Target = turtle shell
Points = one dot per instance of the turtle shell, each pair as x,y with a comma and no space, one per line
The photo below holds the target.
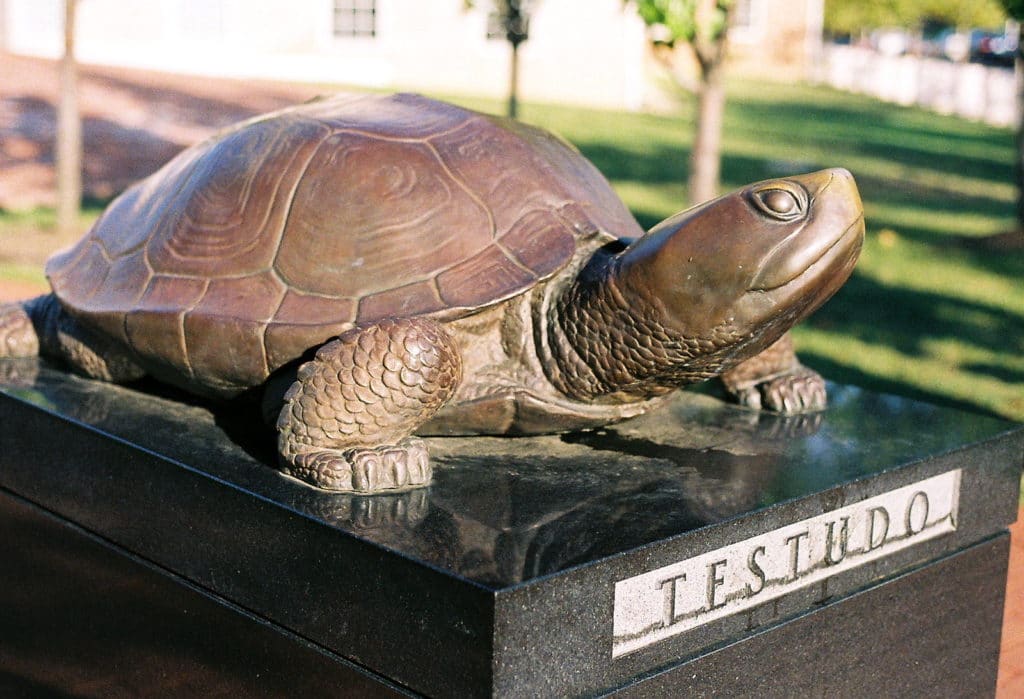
272,237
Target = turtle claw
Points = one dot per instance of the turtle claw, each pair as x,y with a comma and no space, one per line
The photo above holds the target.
798,391
362,470
749,396
387,468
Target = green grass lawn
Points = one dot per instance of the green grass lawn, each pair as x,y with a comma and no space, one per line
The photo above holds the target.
923,315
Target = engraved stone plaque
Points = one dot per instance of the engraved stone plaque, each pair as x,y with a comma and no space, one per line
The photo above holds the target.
700,516
679,597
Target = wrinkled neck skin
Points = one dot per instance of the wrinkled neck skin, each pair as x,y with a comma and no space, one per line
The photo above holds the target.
604,341
702,291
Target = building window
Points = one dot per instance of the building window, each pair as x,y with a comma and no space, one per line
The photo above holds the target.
747,21
495,29
201,19
743,14
355,18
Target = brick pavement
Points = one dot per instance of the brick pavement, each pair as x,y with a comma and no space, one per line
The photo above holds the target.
1011,662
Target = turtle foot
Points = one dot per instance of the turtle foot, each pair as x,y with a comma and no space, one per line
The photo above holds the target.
797,391
18,337
361,470
20,371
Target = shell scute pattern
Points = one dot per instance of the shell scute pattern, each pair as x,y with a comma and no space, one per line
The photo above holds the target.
156,328
228,214
283,232
522,195
78,273
483,278
541,241
370,207
419,298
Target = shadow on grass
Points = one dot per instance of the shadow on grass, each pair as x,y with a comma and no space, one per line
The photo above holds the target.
932,199
1009,265
905,319
669,164
842,373
1002,373
879,131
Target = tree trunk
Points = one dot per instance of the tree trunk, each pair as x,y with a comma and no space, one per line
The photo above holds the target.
69,132
513,82
705,157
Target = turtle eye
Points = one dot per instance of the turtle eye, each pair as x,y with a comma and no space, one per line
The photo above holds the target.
781,203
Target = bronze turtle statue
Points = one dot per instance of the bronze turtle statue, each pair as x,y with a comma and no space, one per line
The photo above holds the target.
404,266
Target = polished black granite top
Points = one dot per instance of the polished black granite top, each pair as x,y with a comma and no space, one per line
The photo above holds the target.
501,511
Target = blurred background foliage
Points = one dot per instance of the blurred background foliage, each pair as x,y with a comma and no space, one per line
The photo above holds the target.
855,16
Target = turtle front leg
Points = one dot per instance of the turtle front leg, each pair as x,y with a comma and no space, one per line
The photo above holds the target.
347,420
776,380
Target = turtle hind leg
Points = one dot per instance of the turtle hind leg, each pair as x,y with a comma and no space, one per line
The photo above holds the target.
19,345
776,380
347,420
42,326
18,336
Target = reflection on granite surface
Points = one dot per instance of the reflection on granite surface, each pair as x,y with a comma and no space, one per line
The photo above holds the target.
505,510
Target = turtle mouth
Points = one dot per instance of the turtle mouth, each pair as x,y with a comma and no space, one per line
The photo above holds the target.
845,248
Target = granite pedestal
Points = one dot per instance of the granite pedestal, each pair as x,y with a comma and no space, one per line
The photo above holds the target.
704,550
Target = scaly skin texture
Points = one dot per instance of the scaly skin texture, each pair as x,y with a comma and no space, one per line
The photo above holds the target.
347,419
606,346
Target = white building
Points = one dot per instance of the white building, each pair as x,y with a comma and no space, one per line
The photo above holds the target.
583,51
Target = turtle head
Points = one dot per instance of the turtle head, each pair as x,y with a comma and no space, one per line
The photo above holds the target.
752,263
709,287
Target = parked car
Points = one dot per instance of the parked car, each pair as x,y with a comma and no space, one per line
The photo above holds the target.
954,45
890,42
992,48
